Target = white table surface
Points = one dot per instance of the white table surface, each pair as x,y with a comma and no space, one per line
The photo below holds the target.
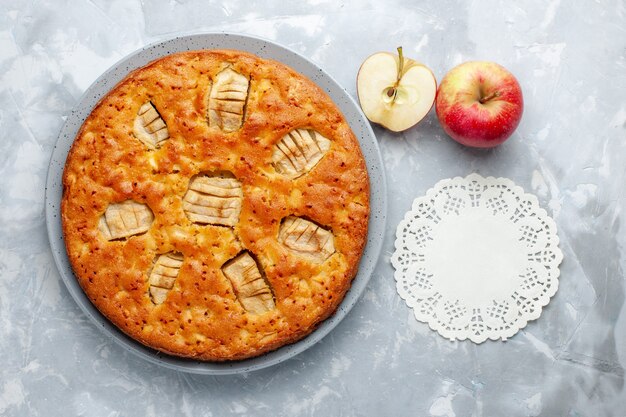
570,149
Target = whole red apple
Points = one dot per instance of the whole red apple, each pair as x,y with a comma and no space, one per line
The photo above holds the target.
479,104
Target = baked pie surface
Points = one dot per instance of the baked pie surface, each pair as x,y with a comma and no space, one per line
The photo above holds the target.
215,205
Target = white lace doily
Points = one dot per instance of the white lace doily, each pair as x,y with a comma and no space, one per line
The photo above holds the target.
476,258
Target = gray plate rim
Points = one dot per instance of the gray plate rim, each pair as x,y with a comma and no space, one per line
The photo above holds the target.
265,49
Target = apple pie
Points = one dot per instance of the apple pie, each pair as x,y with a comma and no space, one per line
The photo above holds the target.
215,205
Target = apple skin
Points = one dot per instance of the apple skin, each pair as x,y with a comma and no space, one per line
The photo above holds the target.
460,111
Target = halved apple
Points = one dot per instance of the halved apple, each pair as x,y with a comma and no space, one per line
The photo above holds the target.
395,91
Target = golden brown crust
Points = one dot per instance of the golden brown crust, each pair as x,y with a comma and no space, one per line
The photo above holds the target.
201,316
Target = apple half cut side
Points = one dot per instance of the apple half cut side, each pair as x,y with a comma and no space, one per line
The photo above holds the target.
394,91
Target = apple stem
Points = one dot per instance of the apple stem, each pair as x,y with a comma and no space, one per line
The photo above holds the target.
400,64
393,91
493,95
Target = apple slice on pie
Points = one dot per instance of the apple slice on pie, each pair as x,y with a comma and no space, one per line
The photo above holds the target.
122,220
227,100
251,289
214,199
298,152
306,239
149,127
163,276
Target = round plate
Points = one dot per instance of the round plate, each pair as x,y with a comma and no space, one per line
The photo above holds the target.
264,49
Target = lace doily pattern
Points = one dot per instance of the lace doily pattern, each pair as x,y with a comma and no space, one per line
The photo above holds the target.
476,258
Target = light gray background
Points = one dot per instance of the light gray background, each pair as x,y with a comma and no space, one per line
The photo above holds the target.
570,58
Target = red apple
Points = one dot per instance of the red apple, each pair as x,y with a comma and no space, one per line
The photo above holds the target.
479,104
